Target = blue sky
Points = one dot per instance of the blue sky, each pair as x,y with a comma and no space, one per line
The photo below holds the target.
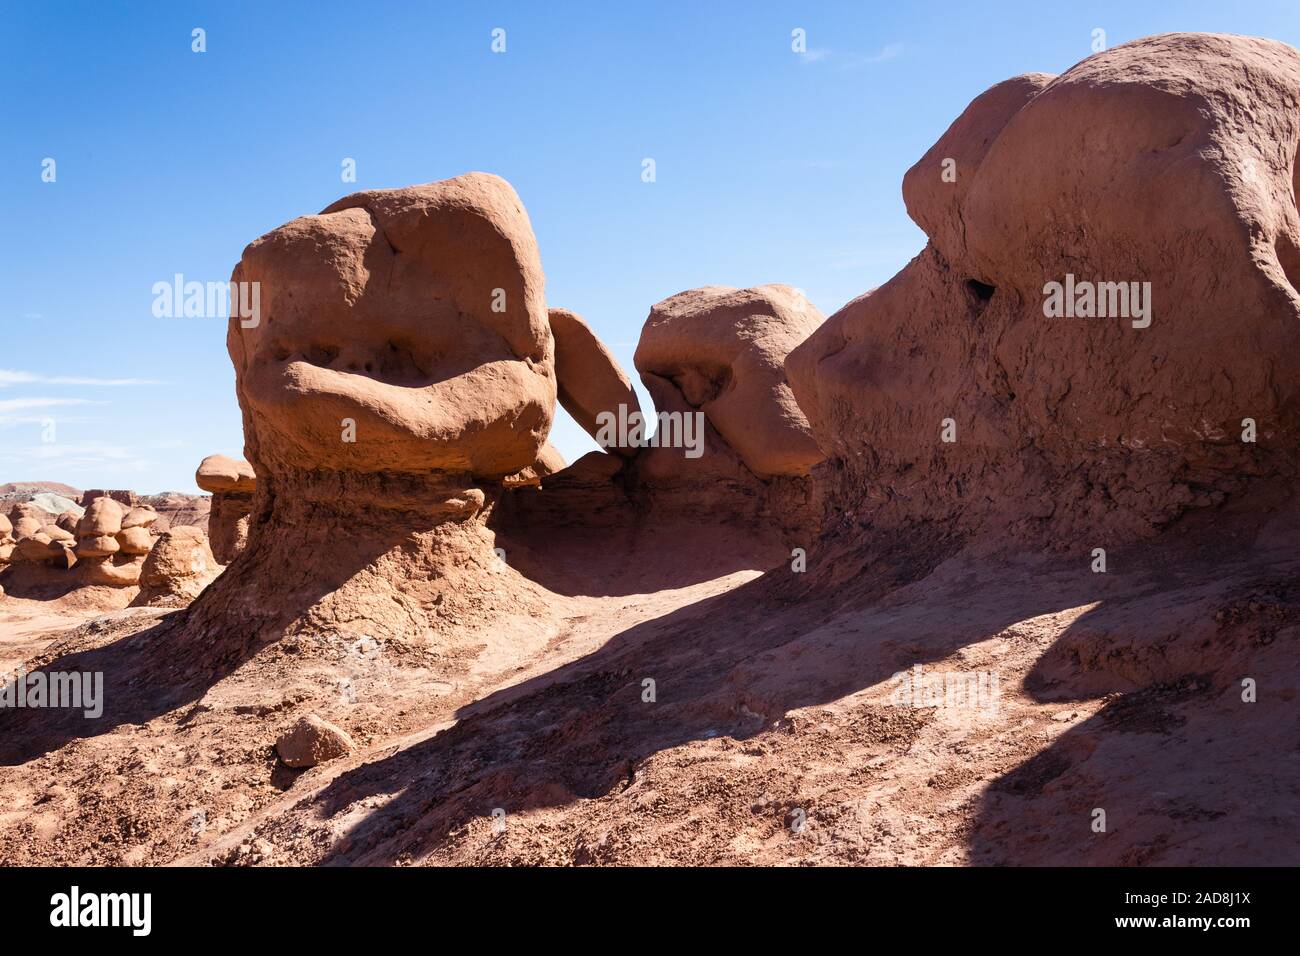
771,166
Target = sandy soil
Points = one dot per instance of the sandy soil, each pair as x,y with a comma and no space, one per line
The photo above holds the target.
775,735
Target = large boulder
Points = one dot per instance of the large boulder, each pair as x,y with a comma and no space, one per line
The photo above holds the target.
722,351
219,474
311,741
178,568
135,540
401,331
139,517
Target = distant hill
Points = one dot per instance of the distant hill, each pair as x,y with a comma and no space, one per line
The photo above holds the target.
40,487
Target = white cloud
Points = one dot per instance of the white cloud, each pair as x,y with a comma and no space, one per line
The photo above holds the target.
102,457
851,61
18,404
891,51
10,377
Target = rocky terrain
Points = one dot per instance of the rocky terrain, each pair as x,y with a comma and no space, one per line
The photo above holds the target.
950,577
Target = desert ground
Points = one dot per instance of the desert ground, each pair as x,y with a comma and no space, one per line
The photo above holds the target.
952,580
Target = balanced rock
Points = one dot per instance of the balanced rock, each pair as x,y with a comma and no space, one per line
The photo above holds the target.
409,336
135,540
103,517
57,533
139,517
220,474
401,367
232,483
722,351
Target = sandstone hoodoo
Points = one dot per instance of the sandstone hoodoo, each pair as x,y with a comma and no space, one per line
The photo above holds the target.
103,561
178,567
413,316
6,540
36,543
231,483
402,368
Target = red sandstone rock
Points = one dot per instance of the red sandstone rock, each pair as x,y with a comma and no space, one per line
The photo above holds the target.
417,315
1168,161
312,741
217,473
178,568
589,379
724,350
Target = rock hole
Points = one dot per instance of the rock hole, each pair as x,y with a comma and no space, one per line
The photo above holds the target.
981,290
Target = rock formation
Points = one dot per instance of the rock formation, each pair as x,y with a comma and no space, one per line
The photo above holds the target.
109,552
722,351
963,437
590,381
178,567
1080,423
401,369
312,741
231,483
6,540
41,544
102,546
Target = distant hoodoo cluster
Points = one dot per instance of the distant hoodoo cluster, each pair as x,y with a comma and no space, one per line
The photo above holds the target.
110,540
